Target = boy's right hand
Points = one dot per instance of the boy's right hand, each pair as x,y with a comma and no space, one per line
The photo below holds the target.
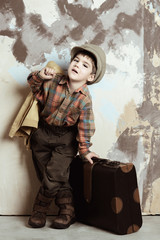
47,73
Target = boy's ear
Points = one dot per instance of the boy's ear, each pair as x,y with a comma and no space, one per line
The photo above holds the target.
91,77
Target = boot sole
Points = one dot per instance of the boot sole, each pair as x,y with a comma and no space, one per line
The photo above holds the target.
34,225
62,226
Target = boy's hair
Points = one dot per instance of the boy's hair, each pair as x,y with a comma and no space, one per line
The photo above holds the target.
91,56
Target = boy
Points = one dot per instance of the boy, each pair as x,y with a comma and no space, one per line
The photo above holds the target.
65,127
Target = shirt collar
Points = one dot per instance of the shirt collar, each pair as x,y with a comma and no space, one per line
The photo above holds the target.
83,89
63,80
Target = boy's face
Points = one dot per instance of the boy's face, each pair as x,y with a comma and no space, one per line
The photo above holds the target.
80,69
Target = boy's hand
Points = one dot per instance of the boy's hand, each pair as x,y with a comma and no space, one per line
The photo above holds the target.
90,155
47,73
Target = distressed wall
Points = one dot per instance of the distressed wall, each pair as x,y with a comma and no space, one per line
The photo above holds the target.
126,101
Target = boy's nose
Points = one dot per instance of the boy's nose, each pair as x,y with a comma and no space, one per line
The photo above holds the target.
77,64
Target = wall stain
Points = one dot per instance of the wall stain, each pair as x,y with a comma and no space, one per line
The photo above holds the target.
8,33
77,33
89,16
70,13
128,142
16,7
19,49
132,22
151,29
149,111
40,28
107,5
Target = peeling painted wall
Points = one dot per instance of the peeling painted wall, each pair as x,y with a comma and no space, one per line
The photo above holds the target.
126,102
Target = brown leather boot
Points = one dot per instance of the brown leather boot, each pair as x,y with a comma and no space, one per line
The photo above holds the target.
40,208
66,216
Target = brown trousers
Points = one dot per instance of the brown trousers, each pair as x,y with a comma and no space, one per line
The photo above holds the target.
53,149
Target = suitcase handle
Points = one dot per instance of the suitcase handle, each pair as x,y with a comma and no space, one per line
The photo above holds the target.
105,162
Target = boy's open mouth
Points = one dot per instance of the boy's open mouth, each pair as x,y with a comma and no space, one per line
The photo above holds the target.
73,70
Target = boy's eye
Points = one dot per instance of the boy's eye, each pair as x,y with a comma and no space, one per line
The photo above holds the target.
75,59
86,66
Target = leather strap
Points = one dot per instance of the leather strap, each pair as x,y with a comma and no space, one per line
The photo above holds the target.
44,199
65,200
87,188
41,209
69,212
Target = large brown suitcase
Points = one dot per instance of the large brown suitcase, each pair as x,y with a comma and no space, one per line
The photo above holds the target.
106,195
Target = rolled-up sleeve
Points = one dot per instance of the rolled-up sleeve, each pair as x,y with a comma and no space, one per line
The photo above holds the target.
35,82
86,129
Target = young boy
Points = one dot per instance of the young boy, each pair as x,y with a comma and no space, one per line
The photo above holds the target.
65,127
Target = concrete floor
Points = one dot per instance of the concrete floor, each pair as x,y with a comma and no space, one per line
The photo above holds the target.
16,228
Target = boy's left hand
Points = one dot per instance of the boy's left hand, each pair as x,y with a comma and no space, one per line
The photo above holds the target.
90,155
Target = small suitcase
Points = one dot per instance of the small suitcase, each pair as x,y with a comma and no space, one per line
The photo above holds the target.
106,195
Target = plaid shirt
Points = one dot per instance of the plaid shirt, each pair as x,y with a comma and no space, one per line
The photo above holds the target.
61,108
